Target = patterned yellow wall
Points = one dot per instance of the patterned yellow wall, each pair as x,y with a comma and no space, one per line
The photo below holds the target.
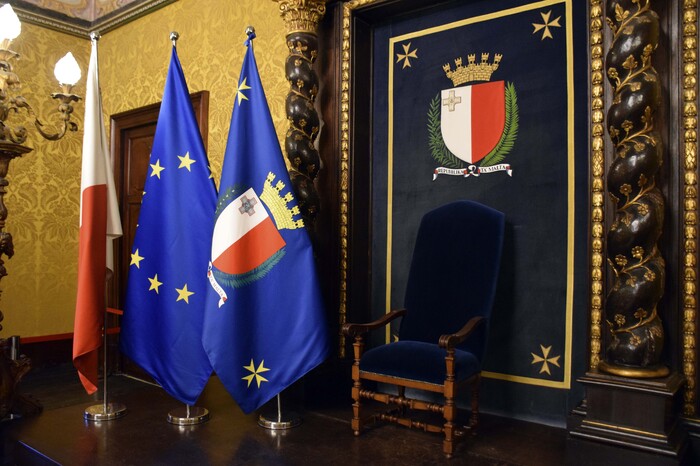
43,197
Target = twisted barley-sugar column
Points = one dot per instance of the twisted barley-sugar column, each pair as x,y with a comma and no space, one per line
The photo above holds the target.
636,337
301,18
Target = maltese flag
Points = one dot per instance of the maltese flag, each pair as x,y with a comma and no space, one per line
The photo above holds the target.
99,225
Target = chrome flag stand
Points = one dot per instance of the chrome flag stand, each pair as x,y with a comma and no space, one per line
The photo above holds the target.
105,411
188,416
279,422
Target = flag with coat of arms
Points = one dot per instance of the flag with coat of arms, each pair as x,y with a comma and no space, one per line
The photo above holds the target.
166,288
264,325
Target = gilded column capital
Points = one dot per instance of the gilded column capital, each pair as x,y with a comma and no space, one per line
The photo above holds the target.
302,15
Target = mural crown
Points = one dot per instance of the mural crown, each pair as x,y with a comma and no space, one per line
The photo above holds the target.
473,71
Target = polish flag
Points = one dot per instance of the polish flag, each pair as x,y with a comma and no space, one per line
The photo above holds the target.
99,225
244,235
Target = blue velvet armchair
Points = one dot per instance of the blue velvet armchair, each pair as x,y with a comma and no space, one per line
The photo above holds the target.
442,335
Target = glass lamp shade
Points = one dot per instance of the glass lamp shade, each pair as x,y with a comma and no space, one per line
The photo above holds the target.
10,27
67,70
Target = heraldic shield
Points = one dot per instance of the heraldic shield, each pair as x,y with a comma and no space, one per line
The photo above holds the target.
472,119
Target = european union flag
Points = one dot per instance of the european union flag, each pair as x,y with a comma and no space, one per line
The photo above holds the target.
264,326
166,289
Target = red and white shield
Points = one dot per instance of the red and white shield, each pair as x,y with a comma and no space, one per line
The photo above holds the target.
244,236
472,119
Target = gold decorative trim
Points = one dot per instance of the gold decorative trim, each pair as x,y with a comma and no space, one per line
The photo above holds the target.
621,429
82,28
301,15
690,196
633,372
348,9
597,179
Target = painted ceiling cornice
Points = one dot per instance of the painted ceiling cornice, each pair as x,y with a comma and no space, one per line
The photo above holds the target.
81,17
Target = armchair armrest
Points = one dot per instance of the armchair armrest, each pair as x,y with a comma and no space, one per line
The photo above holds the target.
353,330
451,340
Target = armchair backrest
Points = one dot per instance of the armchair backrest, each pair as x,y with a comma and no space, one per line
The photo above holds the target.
453,273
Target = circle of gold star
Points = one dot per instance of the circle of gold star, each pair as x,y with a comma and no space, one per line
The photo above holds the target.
183,294
136,259
255,373
155,284
406,55
186,161
547,24
156,169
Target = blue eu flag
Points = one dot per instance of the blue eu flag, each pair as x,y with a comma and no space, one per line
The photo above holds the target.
167,285
264,326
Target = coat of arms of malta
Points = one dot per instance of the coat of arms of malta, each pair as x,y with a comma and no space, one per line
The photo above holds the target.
473,124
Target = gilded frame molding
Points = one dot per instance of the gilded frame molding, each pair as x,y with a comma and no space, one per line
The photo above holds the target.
689,146
597,182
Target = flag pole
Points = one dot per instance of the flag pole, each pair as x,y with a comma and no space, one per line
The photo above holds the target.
279,422
105,411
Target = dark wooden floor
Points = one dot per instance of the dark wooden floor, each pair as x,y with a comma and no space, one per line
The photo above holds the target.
143,437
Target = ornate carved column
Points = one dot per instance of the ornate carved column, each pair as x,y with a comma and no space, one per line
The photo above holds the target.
632,398
636,333
301,18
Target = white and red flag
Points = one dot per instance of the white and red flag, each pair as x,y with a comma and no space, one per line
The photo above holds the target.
99,225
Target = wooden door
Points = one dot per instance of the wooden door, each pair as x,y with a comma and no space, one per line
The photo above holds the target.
131,141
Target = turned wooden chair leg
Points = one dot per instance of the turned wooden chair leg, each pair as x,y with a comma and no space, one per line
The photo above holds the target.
449,410
356,422
474,420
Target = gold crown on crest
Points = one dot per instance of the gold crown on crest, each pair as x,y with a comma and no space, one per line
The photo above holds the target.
271,196
473,71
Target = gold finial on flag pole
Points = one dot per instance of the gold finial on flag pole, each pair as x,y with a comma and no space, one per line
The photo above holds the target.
95,36
174,36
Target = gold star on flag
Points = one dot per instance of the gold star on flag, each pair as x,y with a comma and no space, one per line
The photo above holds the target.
240,89
545,359
136,259
183,294
155,284
255,373
156,169
406,55
186,161
547,24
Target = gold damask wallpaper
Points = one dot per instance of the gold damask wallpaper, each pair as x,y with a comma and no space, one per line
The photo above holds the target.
43,197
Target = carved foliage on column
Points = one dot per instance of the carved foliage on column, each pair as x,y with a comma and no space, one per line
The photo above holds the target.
303,120
301,18
690,196
636,332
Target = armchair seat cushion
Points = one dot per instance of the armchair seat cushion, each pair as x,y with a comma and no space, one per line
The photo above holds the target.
417,360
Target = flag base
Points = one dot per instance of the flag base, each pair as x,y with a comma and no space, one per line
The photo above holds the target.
104,412
188,416
278,422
